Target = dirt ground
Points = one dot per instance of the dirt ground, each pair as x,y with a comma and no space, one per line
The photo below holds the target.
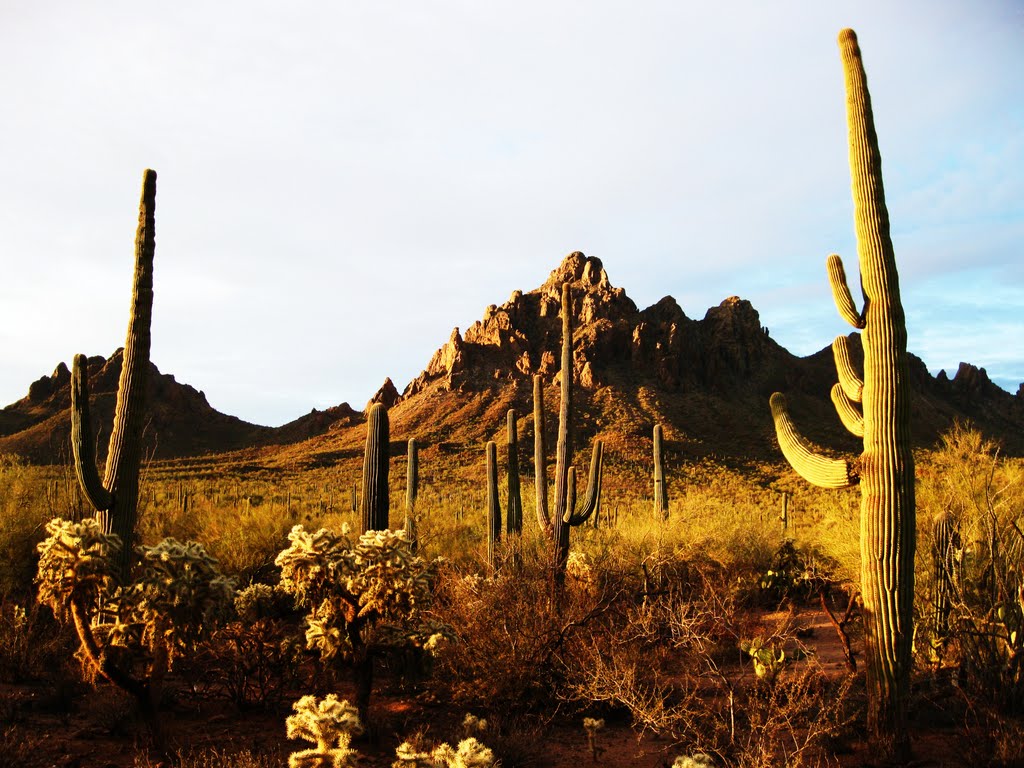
94,729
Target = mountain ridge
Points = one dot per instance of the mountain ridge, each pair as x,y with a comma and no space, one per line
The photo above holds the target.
708,379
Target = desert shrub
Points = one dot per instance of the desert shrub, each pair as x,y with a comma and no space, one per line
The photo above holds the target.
23,514
675,664
33,645
975,581
252,660
509,644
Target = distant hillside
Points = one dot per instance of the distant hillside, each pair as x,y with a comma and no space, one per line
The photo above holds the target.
708,381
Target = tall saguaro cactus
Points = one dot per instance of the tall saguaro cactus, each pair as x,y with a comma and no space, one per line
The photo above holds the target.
539,457
885,469
116,497
566,516
375,502
514,508
412,487
493,505
660,489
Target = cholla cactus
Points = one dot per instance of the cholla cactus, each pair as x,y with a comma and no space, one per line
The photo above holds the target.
131,633
330,724
179,592
470,754
76,565
696,760
363,595
472,724
592,725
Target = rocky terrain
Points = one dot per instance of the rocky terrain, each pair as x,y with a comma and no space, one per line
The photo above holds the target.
707,380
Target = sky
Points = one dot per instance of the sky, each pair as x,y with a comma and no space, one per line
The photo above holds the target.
342,183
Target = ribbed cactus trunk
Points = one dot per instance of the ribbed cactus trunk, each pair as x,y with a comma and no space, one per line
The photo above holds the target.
375,502
514,507
493,506
943,536
566,513
412,486
887,464
885,469
540,458
660,490
563,448
116,497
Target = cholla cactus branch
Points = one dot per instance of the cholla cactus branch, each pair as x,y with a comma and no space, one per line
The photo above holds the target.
813,467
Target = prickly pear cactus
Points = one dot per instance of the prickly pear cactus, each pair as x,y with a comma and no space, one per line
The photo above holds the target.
875,406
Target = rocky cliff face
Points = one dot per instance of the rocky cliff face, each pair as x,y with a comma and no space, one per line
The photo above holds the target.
613,339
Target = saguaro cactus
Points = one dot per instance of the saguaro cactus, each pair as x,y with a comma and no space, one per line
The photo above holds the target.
514,508
539,459
493,504
660,490
885,469
412,485
375,502
116,497
566,516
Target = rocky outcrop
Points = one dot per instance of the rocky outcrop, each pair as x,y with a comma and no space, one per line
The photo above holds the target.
520,338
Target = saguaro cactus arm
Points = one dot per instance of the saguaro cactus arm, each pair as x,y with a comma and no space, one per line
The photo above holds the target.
574,516
847,410
82,438
816,469
851,382
841,292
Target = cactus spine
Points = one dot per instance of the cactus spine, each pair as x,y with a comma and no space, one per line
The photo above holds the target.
885,469
116,497
412,485
539,460
660,490
566,515
514,508
375,502
493,505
